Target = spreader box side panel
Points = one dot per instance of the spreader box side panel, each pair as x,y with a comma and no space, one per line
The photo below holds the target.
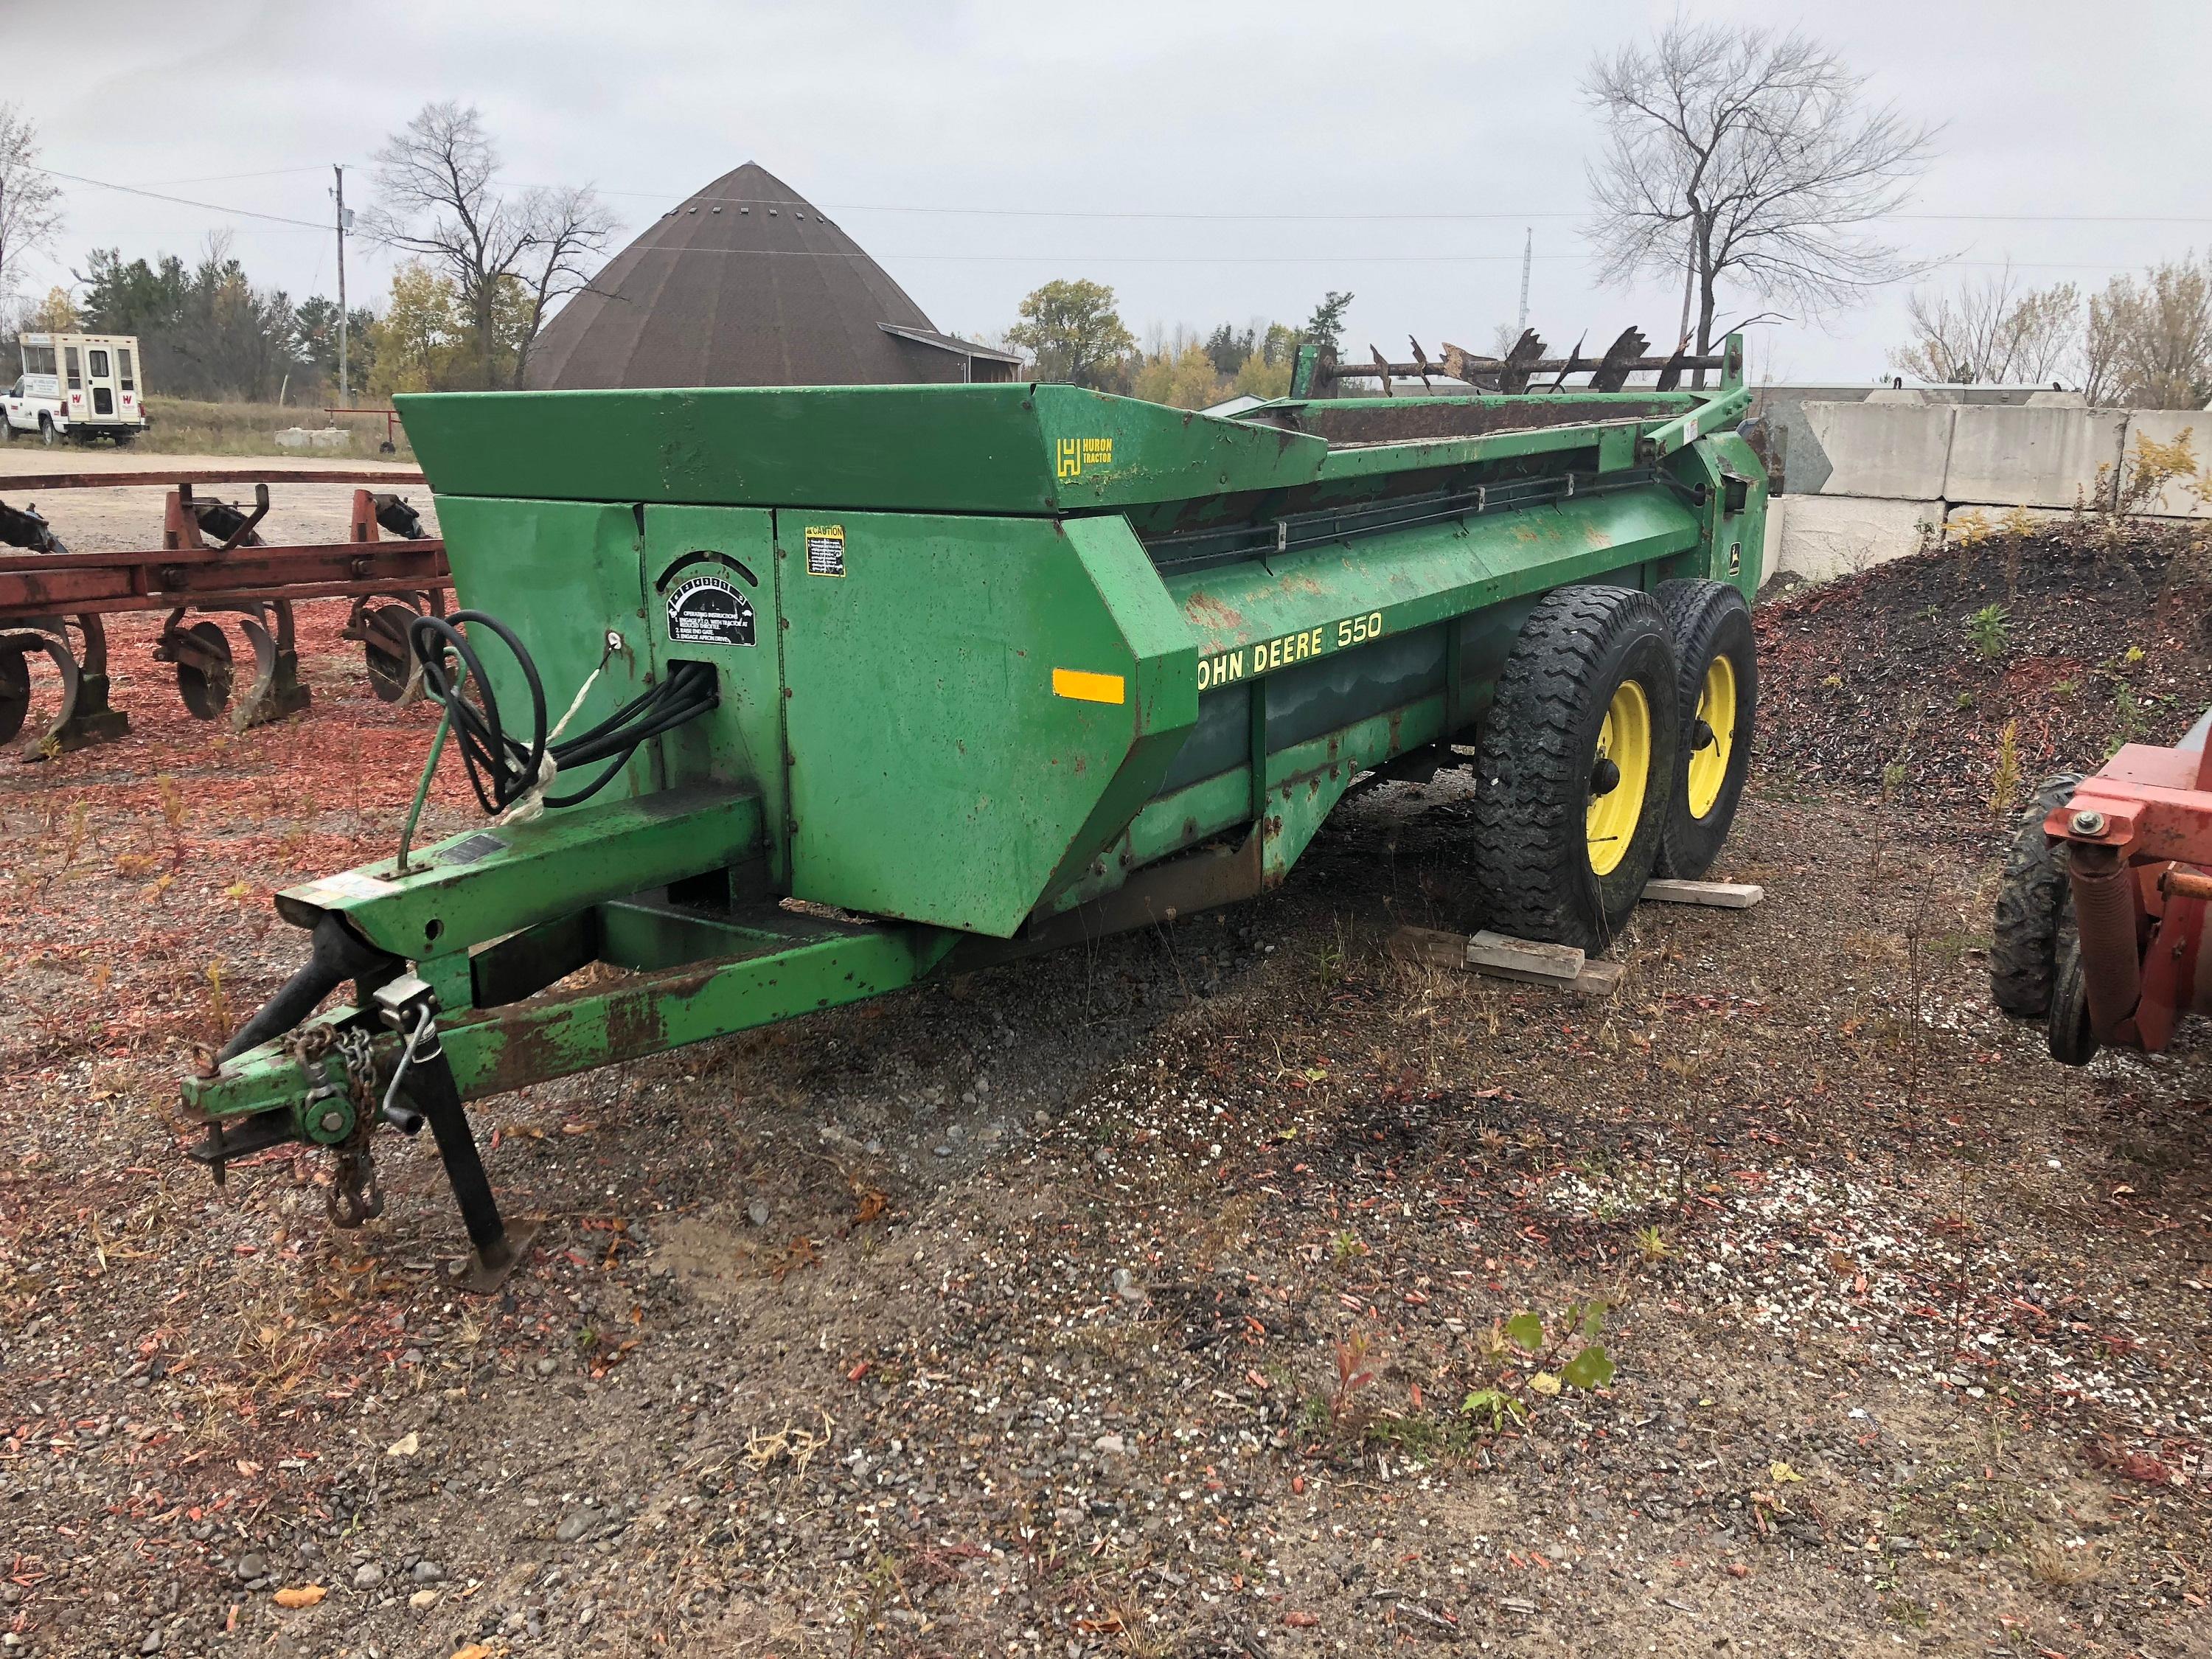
968,699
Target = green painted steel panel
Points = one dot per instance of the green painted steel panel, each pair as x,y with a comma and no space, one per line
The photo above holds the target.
560,575
1008,449
484,882
998,449
944,768
1327,600
742,739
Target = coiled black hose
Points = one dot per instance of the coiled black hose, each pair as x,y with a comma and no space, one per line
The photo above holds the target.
500,769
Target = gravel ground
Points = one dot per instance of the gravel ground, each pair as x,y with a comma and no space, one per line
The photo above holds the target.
1125,1301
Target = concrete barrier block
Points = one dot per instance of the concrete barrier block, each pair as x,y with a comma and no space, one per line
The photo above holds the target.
2164,426
1824,537
1893,451
2023,457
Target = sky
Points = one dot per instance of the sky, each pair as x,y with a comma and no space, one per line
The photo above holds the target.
1212,160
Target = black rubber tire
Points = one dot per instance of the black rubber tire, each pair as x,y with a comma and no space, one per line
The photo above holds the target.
2067,1031
1531,854
1709,619
2034,909
46,435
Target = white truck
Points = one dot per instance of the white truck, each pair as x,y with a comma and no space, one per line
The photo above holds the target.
80,386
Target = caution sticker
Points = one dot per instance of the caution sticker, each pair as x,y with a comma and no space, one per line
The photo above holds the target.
707,611
825,549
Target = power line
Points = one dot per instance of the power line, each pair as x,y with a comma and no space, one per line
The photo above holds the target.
1379,218
182,201
1279,260
223,178
1163,215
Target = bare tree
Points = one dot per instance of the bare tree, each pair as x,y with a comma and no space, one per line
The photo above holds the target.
510,257
569,231
30,212
1991,329
2149,342
1750,156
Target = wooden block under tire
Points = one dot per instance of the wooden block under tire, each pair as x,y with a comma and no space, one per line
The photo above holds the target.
1720,894
1499,956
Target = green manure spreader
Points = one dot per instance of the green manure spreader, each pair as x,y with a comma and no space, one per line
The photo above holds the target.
778,698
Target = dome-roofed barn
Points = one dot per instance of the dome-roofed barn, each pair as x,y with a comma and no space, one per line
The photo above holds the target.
747,283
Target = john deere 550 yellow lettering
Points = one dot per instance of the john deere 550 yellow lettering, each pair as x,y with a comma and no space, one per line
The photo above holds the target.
984,669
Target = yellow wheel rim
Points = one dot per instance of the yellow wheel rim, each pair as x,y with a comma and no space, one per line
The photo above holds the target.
1716,708
1624,759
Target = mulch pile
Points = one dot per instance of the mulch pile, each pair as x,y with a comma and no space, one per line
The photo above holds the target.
1902,681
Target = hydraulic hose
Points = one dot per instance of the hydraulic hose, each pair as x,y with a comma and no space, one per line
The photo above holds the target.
502,770
335,954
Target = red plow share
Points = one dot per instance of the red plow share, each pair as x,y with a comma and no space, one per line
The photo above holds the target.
2101,919
212,564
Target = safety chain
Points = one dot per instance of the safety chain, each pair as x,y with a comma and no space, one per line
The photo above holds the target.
355,1194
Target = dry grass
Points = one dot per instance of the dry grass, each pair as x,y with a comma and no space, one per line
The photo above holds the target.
2060,1568
181,428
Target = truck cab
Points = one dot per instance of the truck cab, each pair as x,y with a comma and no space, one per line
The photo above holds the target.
80,386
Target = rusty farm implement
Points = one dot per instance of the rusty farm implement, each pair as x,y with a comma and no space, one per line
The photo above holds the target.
2100,920
213,564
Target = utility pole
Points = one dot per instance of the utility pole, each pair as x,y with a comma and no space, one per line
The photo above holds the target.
1527,253
345,398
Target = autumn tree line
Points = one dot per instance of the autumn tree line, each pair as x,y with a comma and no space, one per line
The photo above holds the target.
482,267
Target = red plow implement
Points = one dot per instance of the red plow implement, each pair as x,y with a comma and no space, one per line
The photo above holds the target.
2100,922
213,565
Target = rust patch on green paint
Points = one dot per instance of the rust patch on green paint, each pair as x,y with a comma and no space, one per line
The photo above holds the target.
1204,611
635,1024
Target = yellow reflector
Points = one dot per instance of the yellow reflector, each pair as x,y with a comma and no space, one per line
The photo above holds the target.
1087,688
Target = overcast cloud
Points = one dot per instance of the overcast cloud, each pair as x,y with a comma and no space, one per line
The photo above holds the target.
1210,161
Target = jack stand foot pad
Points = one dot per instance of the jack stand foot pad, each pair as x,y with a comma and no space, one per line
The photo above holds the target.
473,1275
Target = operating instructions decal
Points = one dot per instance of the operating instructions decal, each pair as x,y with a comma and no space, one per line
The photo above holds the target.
706,610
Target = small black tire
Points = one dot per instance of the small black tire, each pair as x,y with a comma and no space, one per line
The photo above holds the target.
2067,1029
1541,767
1719,658
2034,907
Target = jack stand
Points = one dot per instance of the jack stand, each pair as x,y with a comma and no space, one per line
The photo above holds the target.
497,1247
